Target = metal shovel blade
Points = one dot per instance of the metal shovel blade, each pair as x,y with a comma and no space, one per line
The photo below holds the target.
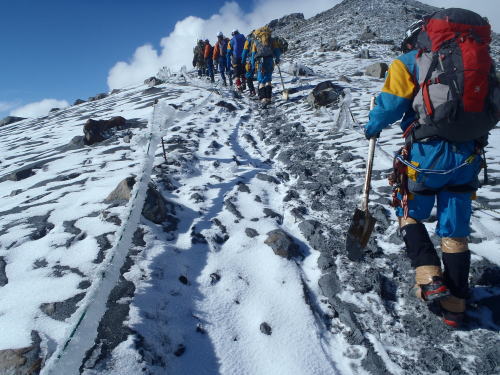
285,94
359,233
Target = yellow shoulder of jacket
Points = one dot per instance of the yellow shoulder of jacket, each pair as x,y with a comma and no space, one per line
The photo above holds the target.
399,81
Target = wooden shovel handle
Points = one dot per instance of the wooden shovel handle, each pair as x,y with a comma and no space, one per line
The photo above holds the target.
369,165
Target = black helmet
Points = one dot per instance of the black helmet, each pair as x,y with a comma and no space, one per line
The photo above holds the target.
411,35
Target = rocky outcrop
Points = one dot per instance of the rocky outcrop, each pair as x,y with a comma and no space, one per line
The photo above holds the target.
78,101
122,192
325,93
3,275
10,119
377,70
98,97
22,361
288,20
158,210
367,35
98,130
282,244
153,81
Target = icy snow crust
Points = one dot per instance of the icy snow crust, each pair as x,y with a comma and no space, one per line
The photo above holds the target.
190,297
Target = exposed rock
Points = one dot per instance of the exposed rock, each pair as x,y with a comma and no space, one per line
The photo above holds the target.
377,70
153,81
115,91
98,130
197,197
78,101
331,45
364,54
3,275
138,238
282,244
122,192
368,34
183,279
181,349
291,194
232,208
20,174
62,310
214,278
290,19
266,329
10,120
267,178
23,361
242,187
157,209
250,232
274,215
230,107
345,79
54,110
325,93
98,97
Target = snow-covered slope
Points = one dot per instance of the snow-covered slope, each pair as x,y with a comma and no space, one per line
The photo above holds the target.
90,286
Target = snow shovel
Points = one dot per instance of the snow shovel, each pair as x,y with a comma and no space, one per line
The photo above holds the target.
285,91
362,222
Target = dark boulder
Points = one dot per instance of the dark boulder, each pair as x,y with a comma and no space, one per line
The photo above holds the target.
230,107
367,35
282,244
78,101
10,119
98,130
22,361
54,110
3,275
377,70
122,192
325,93
98,97
153,81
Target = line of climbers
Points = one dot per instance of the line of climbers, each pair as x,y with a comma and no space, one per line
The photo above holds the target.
241,58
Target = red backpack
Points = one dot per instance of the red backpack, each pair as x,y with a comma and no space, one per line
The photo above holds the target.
458,97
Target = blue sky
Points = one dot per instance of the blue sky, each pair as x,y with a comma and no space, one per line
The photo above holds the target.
55,51
64,49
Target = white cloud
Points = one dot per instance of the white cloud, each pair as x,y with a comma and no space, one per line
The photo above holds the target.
177,48
38,109
6,106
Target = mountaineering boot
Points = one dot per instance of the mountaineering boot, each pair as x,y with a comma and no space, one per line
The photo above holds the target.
430,288
224,83
456,260
238,84
243,84
453,310
262,94
251,87
419,248
269,93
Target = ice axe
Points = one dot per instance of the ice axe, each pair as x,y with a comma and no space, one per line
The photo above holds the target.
285,91
363,222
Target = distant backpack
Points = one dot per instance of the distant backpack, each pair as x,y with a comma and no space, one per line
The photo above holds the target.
263,42
458,93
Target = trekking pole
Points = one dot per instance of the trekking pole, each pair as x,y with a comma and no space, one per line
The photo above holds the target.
485,165
285,92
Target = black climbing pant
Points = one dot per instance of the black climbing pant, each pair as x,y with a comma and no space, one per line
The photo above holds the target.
419,247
